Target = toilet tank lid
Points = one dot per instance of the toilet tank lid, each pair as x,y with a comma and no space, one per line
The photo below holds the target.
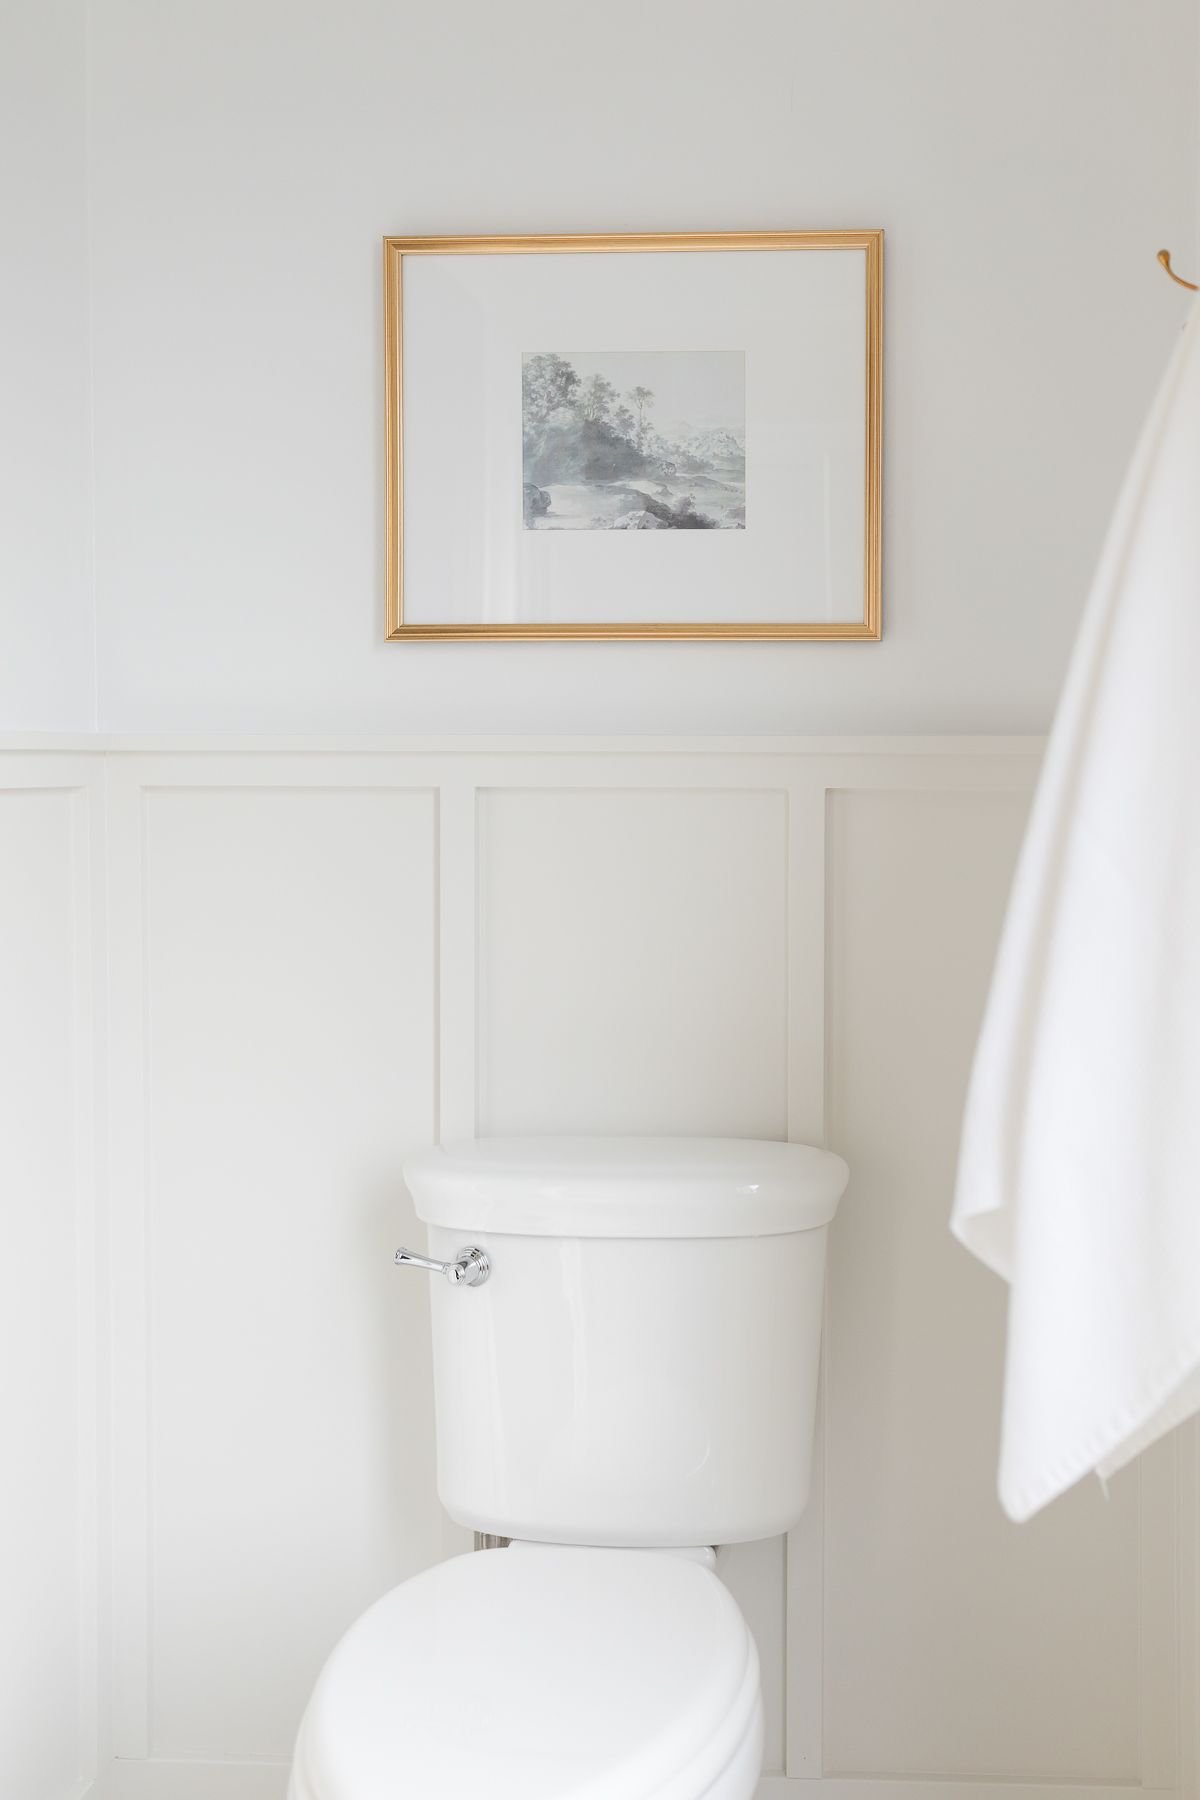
626,1186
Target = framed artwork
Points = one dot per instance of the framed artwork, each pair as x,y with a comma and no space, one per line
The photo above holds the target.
634,437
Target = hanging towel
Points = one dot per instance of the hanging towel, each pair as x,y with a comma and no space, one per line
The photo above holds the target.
1079,1173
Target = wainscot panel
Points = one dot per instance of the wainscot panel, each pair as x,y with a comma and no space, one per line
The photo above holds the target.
321,956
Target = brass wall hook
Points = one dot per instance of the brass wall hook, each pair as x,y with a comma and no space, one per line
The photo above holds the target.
1164,257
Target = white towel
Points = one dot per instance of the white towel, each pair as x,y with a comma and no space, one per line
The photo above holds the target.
1079,1175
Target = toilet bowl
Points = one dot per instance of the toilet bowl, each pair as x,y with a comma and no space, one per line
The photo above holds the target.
562,1674
626,1349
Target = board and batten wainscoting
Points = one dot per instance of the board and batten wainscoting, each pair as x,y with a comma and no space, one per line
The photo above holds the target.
240,983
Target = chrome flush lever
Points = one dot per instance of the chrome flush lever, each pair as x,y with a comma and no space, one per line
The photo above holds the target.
470,1268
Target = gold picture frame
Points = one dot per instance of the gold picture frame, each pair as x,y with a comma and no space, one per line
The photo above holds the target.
397,249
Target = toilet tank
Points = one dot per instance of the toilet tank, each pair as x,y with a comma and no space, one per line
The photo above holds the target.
640,1365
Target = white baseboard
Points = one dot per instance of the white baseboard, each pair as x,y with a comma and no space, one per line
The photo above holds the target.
156,1779
936,1787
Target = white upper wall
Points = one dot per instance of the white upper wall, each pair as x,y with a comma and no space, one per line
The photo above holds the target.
1027,158
46,648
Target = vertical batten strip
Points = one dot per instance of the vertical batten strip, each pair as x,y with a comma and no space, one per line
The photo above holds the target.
132,1542
458,958
87,951
804,1625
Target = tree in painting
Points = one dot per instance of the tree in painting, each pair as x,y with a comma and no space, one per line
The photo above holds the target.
549,385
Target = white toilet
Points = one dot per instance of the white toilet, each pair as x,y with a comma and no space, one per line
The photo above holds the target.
625,1366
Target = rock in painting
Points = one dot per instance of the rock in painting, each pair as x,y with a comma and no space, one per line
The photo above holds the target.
537,501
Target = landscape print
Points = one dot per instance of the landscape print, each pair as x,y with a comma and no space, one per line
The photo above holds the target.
634,440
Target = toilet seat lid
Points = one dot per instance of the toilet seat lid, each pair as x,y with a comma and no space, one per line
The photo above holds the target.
547,1674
